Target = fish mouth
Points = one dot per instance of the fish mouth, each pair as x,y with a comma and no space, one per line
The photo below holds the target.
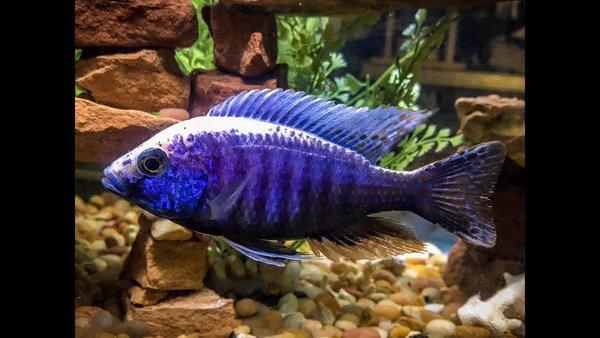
113,182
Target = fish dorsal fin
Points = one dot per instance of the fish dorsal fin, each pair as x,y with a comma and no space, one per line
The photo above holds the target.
370,132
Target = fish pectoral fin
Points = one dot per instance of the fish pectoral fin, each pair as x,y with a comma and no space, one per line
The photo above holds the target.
264,251
371,238
225,201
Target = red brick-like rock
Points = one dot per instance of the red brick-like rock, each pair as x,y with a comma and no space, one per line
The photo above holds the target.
135,23
204,313
103,133
213,87
146,80
245,41
166,265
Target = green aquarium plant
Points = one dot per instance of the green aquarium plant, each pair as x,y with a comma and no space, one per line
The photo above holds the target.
310,47
418,143
78,89
200,54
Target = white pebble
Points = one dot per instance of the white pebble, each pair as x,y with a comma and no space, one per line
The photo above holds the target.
440,328
382,332
343,294
436,308
288,303
165,230
386,325
99,264
293,320
111,260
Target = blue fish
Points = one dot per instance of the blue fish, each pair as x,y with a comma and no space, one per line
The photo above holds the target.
271,165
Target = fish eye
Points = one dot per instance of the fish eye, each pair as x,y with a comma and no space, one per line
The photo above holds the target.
152,162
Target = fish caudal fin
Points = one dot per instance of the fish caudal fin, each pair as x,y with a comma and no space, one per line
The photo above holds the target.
455,192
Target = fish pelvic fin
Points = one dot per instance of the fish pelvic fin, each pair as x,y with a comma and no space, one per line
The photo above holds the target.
264,251
455,192
369,238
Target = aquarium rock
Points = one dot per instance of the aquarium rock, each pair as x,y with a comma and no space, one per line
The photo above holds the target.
490,313
245,41
146,80
209,88
174,113
143,296
487,118
102,133
135,23
167,265
477,271
203,312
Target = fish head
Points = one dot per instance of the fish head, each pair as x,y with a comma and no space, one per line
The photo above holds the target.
159,176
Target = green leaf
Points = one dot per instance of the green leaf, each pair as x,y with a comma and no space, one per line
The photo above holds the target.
200,54
77,54
416,144
78,90
444,132
456,140
430,131
425,148
441,146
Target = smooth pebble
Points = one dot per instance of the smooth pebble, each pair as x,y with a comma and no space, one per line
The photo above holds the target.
242,329
399,331
274,319
306,306
288,303
440,328
293,320
384,275
310,324
350,317
345,324
343,294
362,332
436,308
245,308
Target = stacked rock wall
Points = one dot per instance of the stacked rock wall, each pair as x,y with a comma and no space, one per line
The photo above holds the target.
166,268
129,70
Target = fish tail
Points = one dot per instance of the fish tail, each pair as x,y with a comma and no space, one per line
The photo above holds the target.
455,192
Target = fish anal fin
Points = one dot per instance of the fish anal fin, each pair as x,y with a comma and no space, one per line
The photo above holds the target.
371,237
